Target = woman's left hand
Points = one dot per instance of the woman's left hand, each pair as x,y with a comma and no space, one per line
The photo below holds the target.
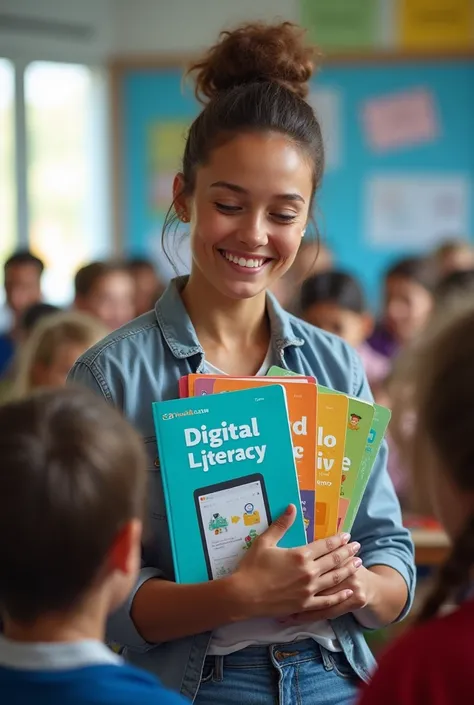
361,584
378,597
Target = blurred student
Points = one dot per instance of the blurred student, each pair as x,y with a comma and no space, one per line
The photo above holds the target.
434,662
453,256
148,287
52,349
107,291
335,302
455,288
409,286
22,276
74,480
312,258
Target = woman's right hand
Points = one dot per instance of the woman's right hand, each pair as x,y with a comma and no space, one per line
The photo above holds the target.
277,582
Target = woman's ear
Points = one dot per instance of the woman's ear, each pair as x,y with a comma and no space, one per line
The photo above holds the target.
179,199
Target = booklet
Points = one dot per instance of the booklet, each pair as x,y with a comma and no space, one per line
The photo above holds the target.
228,471
301,400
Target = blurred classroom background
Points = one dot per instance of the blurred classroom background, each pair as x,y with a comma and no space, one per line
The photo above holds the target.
93,116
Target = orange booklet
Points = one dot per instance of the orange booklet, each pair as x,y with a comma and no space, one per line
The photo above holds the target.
330,444
301,401
207,382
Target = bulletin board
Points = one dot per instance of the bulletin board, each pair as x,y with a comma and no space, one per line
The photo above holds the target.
400,157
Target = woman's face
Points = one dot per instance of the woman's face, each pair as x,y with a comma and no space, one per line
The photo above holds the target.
407,307
248,212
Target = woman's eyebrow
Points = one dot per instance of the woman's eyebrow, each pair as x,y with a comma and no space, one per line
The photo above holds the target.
240,189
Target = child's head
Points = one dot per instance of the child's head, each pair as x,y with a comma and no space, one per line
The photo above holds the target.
107,291
73,484
434,390
54,345
409,286
454,288
453,256
22,272
148,286
334,301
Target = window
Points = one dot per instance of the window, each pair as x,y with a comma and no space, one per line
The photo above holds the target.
63,169
8,232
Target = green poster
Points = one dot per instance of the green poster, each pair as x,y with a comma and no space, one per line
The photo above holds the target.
341,24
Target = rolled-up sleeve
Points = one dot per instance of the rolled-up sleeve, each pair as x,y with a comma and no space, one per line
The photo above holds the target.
120,628
378,526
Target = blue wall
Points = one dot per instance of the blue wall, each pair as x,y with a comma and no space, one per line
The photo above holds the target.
149,96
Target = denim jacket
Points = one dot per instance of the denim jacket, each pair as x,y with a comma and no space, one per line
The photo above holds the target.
142,363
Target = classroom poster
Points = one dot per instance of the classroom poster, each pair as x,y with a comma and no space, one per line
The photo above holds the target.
166,141
416,212
436,24
400,120
326,103
341,24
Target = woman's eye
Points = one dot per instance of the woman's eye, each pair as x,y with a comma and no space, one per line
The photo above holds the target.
284,217
226,208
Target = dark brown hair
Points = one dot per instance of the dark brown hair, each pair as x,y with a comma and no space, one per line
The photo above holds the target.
24,257
88,276
255,79
433,390
417,269
73,472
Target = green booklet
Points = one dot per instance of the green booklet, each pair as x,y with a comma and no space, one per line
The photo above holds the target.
376,435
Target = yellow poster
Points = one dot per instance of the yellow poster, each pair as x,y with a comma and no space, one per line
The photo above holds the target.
436,24
166,141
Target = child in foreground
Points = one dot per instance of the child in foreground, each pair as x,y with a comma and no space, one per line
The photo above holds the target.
434,662
74,480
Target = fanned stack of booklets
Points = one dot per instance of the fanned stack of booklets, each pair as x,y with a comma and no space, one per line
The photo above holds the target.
236,451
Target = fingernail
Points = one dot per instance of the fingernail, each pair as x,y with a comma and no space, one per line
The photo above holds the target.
357,562
349,593
345,538
289,509
355,547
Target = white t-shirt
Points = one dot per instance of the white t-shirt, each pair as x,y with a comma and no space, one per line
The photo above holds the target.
234,637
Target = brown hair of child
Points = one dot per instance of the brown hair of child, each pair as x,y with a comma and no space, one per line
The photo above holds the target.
73,475
433,421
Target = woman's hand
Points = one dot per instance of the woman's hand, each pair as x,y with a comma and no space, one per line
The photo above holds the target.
276,582
359,583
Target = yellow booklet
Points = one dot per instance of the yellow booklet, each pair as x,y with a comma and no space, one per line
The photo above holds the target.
330,444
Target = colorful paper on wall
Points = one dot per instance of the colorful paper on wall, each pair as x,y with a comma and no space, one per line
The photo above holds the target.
436,24
416,211
326,103
166,140
341,24
400,120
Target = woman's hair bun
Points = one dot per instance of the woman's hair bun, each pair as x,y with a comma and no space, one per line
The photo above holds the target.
256,52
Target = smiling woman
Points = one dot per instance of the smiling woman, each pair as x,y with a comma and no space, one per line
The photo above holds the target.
286,627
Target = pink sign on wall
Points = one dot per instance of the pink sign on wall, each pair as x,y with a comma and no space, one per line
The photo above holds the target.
400,120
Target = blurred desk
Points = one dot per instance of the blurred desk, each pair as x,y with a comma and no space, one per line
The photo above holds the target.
431,546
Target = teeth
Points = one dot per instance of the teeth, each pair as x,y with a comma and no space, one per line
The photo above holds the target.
250,263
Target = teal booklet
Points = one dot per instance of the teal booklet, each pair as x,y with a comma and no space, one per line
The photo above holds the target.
228,470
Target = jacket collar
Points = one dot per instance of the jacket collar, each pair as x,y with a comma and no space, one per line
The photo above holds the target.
179,333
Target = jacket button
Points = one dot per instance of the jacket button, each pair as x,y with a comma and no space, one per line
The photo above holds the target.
157,463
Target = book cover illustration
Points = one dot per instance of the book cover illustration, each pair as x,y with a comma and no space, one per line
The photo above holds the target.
379,426
330,446
301,400
228,470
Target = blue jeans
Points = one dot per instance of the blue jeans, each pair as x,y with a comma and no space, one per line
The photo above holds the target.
300,673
